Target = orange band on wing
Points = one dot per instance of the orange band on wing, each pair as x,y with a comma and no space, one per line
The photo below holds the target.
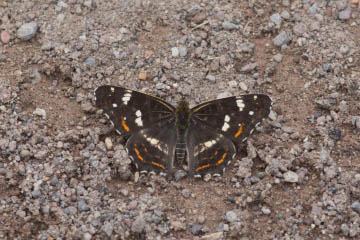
138,154
124,125
158,164
202,167
221,160
239,131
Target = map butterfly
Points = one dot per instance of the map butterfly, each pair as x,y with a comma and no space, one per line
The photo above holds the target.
159,135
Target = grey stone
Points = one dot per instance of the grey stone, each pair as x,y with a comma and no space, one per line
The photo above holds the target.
248,67
40,112
90,62
82,206
138,225
345,14
186,193
5,95
312,10
210,77
27,31
266,210
229,26
356,206
108,229
182,51
196,229
231,216
299,29
291,177
276,18
41,154
175,52
179,174
281,39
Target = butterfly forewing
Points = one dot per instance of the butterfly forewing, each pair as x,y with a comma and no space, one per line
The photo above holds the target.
234,117
131,111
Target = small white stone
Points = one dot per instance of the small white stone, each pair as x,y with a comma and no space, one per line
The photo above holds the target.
243,86
40,112
108,143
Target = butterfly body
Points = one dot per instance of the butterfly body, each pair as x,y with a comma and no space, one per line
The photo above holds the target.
205,137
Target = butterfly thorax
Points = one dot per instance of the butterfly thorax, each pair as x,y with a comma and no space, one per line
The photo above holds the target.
182,125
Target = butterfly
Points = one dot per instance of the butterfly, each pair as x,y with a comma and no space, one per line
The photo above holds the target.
159,135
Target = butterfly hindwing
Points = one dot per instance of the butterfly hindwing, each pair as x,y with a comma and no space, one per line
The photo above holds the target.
131,111
152,149
234,117
208,151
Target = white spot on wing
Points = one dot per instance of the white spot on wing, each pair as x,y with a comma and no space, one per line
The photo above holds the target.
255,97
112,89
240,104
251,113
139,122
154,141
227,118
225,127
126,99
138,113
114,105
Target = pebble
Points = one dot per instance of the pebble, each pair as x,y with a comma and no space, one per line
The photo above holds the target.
266,210
300,29
278,57
243,86
5,95
178,226
138,226
186,193
175,52
281,39
345,14
210,77
27,31
90,62
82,206
213,236
12,146
291,177
5,37
108,143
229,26
180,174
41,155
248,68
143,76
108,229
40,112
312,10
276,18
231,216
196,229
182,51
356,206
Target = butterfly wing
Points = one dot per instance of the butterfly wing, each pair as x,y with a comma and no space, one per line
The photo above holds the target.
218,127
130,111
209,151
145,120
153,149
234,117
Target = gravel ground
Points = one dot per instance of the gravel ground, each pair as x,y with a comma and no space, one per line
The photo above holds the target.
64,173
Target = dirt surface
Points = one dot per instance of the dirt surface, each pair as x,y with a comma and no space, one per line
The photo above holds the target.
297,177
